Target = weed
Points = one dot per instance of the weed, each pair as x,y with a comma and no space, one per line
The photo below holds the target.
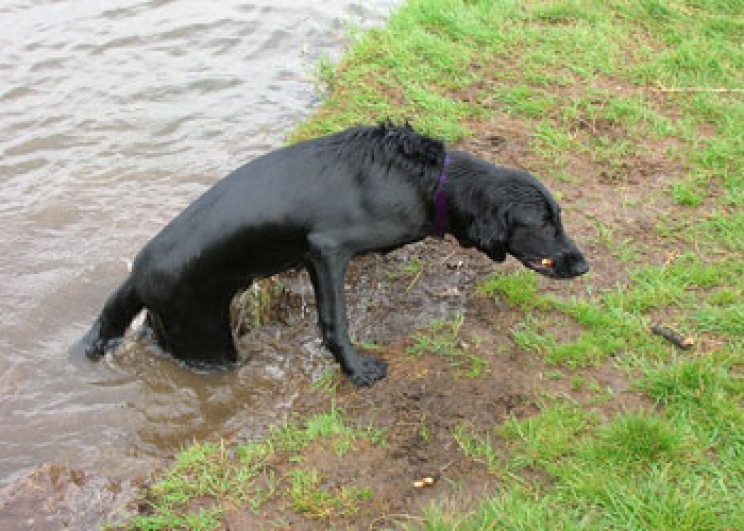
686,195
310,498
293,438
549,435
328,381
477,447
518,288
216,477
167,518
442,339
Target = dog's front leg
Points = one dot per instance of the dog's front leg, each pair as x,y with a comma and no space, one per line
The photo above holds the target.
327,267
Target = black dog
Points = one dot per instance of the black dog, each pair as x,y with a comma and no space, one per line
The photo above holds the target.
317,204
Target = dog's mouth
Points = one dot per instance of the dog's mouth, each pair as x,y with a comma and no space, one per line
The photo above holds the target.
544,266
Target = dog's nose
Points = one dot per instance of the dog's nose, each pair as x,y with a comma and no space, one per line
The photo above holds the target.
576,265
580,268
572,264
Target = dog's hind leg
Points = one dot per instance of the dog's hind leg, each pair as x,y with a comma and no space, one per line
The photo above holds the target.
121,307
155,324
201,334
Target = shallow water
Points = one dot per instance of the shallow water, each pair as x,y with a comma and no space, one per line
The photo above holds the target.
113,117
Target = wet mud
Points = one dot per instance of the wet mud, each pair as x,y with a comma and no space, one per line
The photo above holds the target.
53,497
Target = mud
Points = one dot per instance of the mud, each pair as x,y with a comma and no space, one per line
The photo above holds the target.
52,497
425,399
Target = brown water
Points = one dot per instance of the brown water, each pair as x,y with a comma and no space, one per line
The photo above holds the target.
113,117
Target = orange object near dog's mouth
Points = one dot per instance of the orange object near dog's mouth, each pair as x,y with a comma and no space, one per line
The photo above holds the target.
544,265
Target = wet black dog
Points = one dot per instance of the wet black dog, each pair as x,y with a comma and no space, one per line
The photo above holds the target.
317,204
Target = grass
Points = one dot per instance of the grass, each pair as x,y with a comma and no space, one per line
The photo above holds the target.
603,92
309,498
443,339
477,447
639,471
207,479
615,322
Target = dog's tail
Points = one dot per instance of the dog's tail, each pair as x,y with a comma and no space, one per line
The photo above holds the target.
121,307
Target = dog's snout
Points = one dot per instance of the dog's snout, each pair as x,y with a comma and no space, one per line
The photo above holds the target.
574,264
580,267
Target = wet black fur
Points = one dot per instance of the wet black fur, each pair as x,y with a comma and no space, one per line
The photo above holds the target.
317,204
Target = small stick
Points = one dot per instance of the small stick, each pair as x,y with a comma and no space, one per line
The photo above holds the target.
685,343
444,260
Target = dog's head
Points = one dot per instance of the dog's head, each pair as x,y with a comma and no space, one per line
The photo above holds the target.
518,216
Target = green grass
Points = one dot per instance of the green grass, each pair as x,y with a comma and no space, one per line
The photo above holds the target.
519,289
314,501
443,339
201,471
207,478
547,437
169,518
639,471
615,322
477,447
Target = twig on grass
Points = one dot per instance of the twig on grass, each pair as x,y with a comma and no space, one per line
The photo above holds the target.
685,343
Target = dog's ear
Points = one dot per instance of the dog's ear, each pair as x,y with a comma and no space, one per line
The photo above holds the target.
489,231
503,214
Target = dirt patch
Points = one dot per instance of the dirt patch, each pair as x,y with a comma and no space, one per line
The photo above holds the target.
426,398
611,207
53,497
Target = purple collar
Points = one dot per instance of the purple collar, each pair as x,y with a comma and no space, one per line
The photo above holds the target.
440,203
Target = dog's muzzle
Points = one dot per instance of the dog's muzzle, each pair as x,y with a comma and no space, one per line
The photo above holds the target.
562,266
570,265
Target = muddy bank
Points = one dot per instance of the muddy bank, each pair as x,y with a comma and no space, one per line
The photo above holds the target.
468,377
421,405
53,497
388,298
483,379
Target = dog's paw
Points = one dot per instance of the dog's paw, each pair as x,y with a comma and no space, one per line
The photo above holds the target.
95,350
368,371
98,348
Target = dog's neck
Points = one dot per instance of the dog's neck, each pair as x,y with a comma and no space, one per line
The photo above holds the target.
473,210
440,203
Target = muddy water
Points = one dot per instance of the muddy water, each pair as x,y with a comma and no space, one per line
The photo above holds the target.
114,116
